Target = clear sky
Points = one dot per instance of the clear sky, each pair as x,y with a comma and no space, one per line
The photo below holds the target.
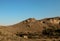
14,11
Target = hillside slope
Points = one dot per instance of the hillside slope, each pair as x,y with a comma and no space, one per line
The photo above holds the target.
32,30
33,25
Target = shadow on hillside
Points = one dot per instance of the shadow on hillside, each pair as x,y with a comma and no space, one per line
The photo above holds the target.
46,33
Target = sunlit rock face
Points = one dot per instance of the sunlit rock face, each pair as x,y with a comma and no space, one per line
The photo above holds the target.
55,20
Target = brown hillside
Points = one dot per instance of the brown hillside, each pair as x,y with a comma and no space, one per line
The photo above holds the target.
33,30
33,25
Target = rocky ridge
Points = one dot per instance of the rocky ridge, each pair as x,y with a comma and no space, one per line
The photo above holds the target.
32,30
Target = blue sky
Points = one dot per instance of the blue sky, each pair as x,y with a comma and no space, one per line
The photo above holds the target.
14,11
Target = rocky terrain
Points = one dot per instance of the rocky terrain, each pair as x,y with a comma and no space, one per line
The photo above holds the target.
47,29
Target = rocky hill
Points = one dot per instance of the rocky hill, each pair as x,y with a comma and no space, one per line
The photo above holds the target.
32,30
33,25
